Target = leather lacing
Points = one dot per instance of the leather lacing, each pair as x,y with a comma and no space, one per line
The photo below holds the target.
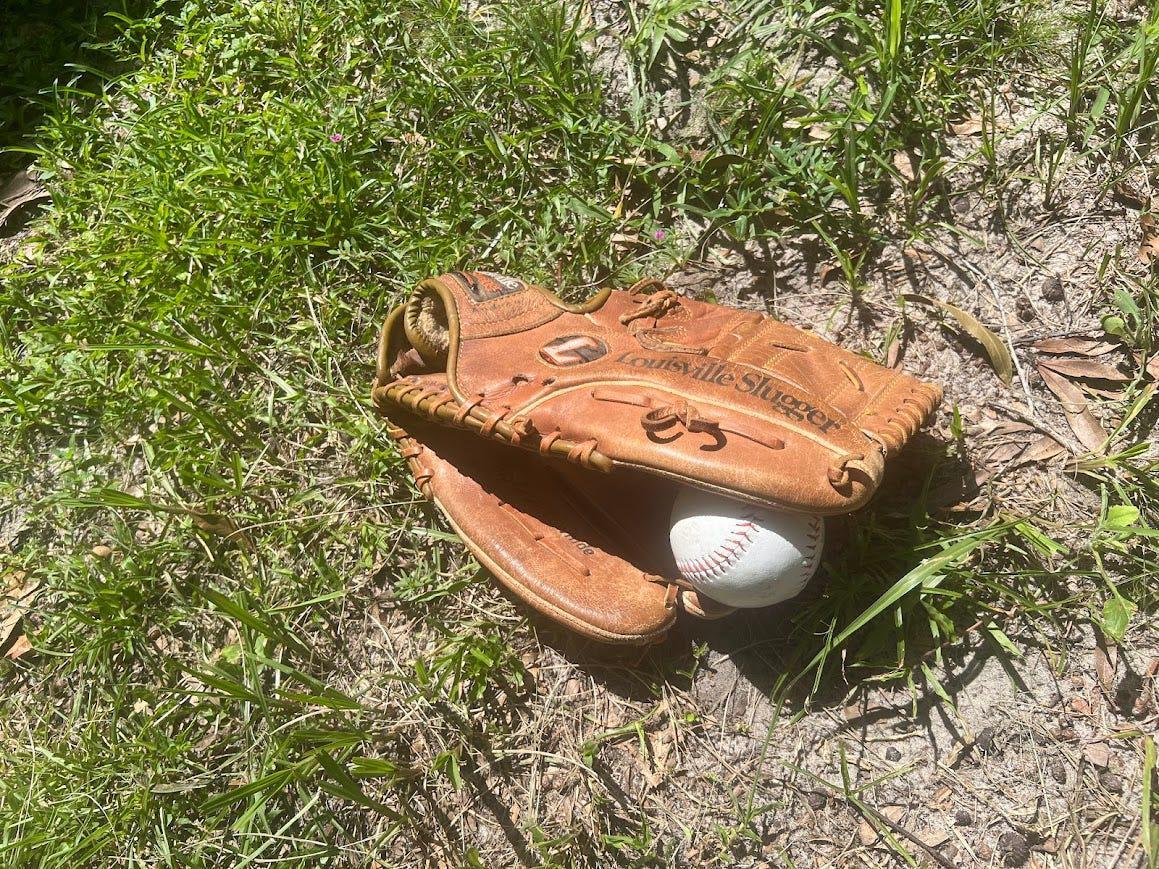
410,449
656,305
652,306
504,424
851,375
578,453
658,419
900,425
838,474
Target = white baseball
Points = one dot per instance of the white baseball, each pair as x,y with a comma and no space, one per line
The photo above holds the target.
741,555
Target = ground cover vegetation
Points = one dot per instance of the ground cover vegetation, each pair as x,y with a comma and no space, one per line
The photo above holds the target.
244,640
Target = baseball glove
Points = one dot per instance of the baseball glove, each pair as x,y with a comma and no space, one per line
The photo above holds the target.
589,550
729,401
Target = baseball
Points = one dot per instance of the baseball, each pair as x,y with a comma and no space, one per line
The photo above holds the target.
741,555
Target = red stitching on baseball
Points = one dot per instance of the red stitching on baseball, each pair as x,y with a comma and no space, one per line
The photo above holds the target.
725,555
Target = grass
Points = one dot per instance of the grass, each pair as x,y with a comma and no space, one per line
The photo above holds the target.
240,193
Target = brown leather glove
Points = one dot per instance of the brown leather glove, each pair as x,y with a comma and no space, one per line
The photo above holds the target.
725,400
589,550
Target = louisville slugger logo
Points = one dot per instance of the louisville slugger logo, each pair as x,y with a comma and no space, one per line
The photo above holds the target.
740,379
572,350
485,286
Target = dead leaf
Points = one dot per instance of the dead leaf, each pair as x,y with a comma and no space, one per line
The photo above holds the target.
1131,195
18,649
1043,450
905,164
1085,369
935,838
1098,754
22,189
18,594
1106,662
221,526
1076,346
991,343
1082,422
895,352
867,832
969,127
998,428
1149,246
1004,453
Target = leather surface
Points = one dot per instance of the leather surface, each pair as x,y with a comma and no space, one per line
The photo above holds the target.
726,400
588,550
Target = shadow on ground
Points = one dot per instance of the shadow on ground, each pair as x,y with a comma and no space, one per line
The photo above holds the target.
735,664
47,45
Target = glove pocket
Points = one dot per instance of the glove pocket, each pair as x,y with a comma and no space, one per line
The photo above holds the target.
525,524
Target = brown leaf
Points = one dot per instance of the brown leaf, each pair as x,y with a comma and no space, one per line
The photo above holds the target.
1149,246
1106,662
1075,346
998,428
969,127
1043,450
896,352
991,343
1004,453
1098,754
19,648
1131,195
905,165
1074,404
22,189
221,526
867,832
1086,369
18,594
